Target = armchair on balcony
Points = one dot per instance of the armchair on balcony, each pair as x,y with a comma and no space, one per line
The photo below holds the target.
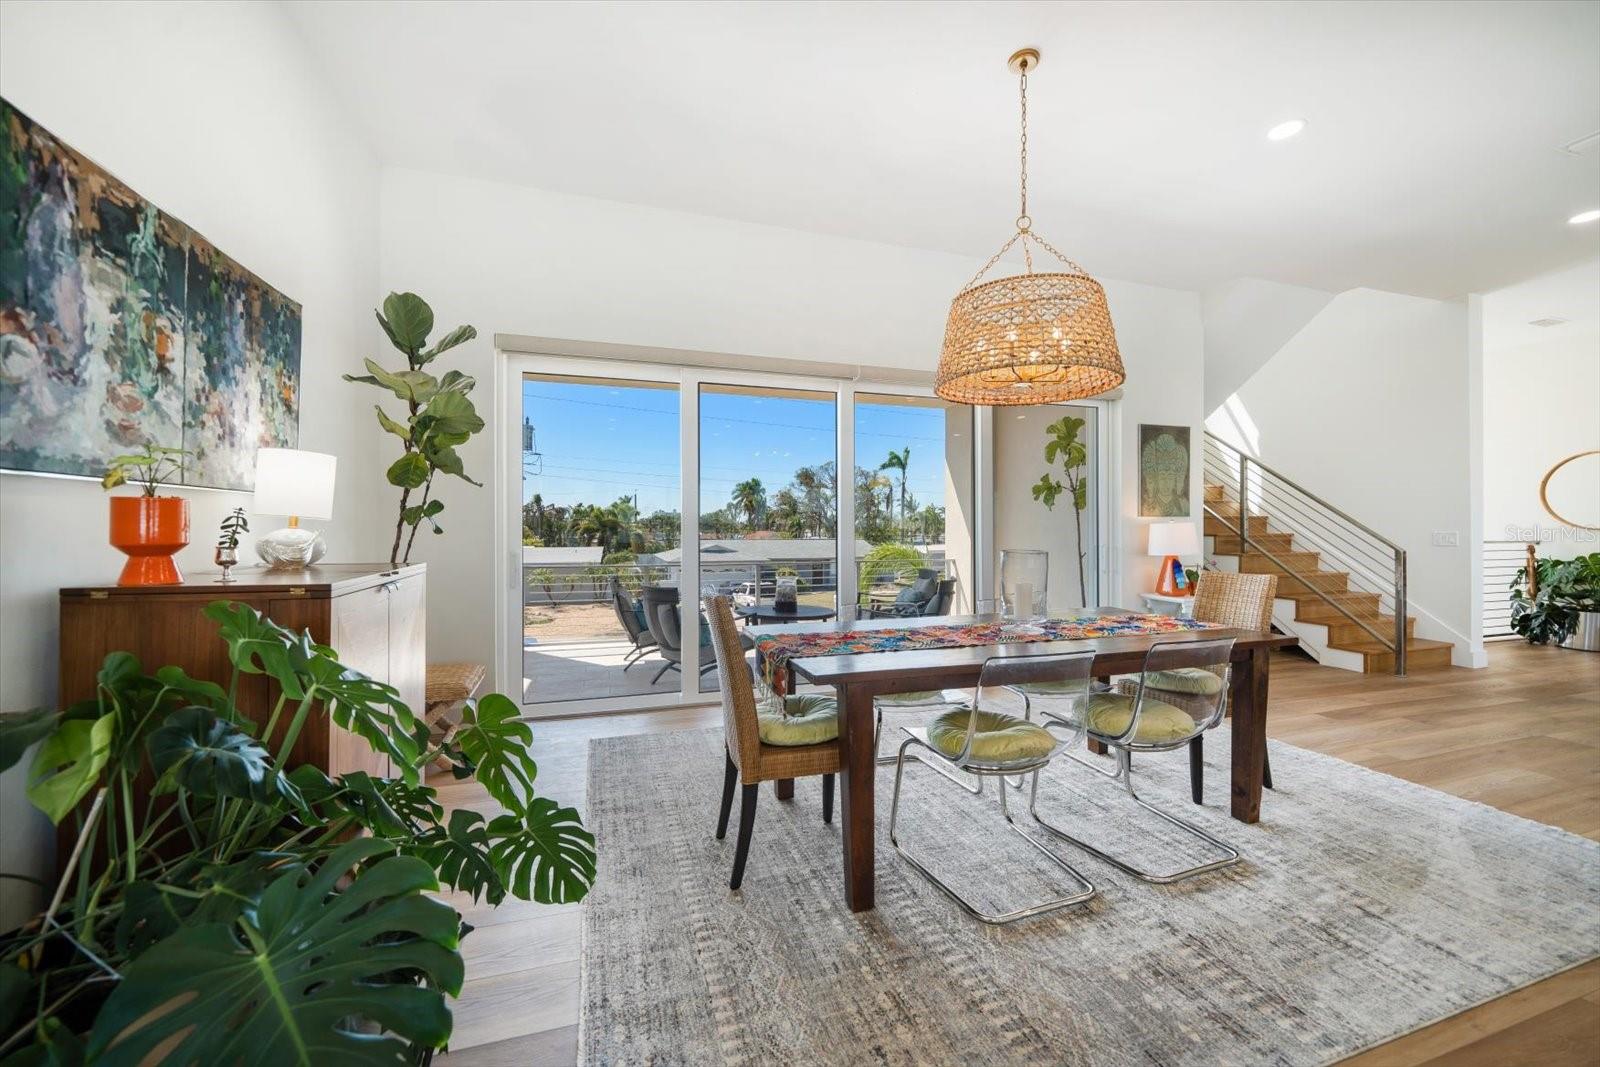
631,615
928,595
666,626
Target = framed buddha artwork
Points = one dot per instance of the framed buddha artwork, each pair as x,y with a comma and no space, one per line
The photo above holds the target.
1164,472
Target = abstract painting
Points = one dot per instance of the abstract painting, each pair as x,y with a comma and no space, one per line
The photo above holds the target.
120,325
1164,471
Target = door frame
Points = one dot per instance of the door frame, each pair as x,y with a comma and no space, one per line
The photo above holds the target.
656,366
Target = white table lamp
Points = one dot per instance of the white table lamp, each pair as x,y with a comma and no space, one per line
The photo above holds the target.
298,485
1171,540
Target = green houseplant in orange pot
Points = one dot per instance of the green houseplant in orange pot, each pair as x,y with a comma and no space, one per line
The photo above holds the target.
149,527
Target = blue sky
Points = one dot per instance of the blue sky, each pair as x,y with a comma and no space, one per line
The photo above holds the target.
605,440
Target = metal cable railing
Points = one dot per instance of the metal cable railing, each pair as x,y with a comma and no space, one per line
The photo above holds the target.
1501,562
1374,567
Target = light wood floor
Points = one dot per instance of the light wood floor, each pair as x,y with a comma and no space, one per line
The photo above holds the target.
1522,735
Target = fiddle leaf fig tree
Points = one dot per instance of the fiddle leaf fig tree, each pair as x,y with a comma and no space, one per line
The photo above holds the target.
438,417
1064,445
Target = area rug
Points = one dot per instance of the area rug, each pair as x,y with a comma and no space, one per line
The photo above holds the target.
1366,907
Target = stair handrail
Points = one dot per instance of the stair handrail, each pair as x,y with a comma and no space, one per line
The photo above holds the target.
1397,641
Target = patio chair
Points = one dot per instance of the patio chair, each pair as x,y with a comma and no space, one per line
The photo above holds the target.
631,615
666,626
928,595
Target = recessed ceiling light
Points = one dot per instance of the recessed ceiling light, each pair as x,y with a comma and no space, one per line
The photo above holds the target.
1584,216
1285,130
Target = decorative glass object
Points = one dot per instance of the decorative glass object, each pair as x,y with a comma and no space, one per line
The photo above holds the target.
786,594
227,559
1024,583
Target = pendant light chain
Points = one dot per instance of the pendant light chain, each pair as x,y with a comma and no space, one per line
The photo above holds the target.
1023,221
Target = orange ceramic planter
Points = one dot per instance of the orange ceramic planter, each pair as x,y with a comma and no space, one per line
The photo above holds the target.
149,529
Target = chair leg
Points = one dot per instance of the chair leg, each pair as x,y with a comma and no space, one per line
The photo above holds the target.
665,667
1266,769
1197,768
747,820
1083,888
827,798
730,774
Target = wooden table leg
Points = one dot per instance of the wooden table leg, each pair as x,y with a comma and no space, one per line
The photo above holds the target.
1248,695
857,769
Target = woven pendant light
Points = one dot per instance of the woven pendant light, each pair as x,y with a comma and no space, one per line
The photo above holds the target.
1032,338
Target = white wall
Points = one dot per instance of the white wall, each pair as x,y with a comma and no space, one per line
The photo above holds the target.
1541,388
1367,406
1020,521
511,259
213,112
1247,321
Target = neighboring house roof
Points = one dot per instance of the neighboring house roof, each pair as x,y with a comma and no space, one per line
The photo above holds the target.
539,556
762,550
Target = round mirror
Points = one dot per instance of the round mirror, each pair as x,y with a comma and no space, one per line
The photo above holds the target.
1570,491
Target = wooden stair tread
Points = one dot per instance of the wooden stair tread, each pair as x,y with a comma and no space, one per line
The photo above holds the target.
1413,644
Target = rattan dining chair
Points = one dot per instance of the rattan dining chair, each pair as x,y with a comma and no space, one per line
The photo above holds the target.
983,739
1144,722
797,738
1241,601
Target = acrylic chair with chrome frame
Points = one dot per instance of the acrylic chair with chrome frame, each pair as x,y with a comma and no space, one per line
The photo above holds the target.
980,740
1140,722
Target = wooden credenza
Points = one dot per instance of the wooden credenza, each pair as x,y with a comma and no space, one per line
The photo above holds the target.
375,617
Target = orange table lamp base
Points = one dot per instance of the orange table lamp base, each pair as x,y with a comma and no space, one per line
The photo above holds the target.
1166,580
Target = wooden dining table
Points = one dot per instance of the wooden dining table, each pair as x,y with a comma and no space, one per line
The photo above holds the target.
859,677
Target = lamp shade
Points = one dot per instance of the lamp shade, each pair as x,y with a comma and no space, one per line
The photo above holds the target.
1173,539
292,482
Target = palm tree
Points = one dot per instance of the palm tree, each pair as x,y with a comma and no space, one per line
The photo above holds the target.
899,461
750,497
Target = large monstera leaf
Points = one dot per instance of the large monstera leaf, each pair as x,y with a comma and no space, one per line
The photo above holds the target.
496,742
18,732
68,764
209,757
543,853
300,977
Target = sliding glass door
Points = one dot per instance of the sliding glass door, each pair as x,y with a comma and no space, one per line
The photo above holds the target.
600,512
768,497
637,489
914,506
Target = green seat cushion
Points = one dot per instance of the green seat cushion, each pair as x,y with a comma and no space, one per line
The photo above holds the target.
1159,721
1195,680
999,738
801,720
912,700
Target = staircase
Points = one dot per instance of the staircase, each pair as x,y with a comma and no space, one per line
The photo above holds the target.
1338,582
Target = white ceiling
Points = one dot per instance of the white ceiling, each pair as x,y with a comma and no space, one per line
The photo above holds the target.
1432,163
1572,294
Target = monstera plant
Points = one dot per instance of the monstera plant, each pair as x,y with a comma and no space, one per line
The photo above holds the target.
438,416
222,906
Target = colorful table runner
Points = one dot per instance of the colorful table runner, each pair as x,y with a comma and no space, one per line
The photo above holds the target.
778,649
